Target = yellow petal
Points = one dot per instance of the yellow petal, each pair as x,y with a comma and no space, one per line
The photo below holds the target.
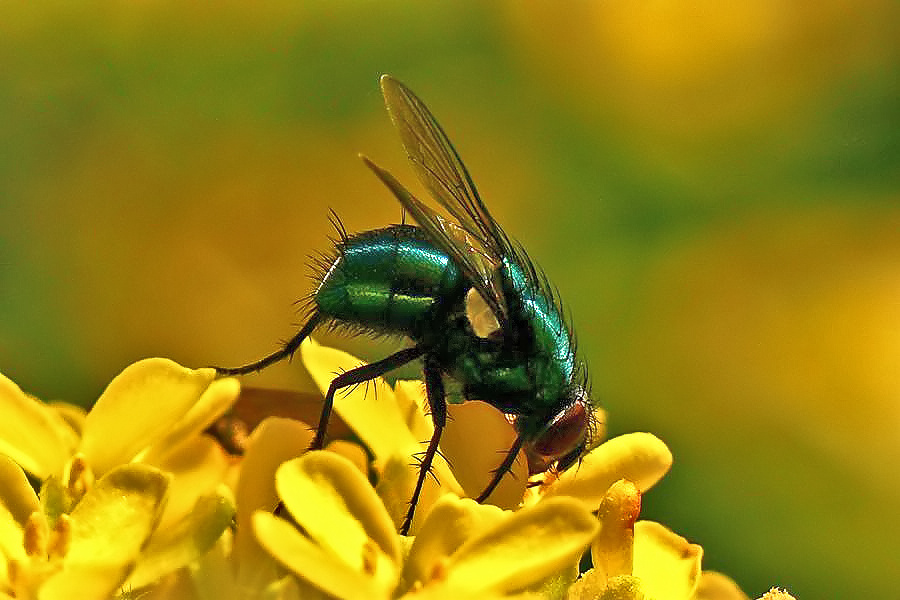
715,586
337,507
475,442
114,519
523,550
353,452
291,588
18,503
12,542
212,575
450,523
374,417
641,458
412,403
667,564
443,591
313,563
199,467
16,494
32,433
612,551
71,414
397,480
138,408
84,581
212,404
186,540
274,441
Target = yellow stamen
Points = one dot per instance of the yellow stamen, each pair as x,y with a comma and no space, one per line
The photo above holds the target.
36,534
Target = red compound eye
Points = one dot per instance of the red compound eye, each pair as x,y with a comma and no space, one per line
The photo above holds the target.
564,434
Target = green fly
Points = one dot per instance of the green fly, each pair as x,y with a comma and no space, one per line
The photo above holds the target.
474,306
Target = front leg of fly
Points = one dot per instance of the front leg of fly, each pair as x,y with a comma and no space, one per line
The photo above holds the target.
434,388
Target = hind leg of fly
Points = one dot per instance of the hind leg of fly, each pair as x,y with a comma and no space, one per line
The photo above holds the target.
356,376
434,388
286,351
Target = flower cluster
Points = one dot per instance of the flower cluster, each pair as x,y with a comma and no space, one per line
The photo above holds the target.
128,493
134,500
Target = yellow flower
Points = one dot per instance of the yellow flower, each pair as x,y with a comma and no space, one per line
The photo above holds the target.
634,559
349,547
151,414
238,567
86,553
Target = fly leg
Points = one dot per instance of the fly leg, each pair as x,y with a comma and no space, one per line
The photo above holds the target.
434,388
502,469
348,378
288,350
357,376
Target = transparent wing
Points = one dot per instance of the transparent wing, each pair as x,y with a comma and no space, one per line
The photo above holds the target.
440,169
453,239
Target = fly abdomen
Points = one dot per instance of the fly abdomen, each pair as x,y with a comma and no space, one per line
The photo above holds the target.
388,281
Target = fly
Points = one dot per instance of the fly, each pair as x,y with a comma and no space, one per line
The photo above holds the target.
474,306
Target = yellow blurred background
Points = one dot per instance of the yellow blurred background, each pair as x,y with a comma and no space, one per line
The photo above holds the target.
712,186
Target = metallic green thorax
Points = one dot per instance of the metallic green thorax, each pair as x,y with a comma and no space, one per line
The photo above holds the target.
394,280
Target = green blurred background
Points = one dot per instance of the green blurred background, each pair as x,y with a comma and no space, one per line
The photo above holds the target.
713,186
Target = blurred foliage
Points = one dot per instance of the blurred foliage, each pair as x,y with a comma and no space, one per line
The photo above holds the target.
712,186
